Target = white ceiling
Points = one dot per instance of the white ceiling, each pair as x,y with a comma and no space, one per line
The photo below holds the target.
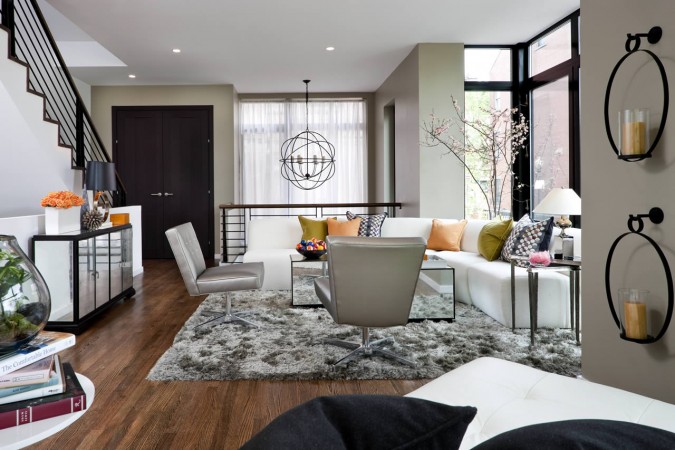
267,46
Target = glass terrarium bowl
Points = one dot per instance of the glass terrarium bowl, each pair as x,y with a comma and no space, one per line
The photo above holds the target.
25,303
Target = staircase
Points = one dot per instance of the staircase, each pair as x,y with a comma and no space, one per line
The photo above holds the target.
33,162
46,134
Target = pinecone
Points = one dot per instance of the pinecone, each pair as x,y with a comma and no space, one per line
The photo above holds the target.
92,220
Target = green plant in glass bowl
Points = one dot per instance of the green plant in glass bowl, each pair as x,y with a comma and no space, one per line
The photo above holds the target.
24,298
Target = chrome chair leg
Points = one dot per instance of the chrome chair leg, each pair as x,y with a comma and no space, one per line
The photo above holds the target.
227,317
367,348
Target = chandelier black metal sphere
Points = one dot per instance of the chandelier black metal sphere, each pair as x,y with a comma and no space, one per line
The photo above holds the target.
308,159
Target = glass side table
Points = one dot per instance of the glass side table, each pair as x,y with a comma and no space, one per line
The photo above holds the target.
573,266
434,294
303,273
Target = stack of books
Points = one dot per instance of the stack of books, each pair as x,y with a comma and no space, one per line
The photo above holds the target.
35,384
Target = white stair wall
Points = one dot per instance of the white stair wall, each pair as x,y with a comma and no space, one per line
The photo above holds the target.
33,164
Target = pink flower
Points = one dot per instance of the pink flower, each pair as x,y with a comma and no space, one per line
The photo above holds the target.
540,258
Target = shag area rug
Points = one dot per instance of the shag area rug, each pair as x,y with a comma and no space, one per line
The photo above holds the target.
288,345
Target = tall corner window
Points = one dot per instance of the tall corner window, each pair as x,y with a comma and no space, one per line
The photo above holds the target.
551,49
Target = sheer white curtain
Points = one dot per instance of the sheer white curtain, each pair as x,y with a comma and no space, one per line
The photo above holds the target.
265,125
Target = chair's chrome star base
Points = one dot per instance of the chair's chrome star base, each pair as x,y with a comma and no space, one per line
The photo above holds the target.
228,317
367,348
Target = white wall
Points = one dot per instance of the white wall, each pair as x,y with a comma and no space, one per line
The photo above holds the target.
613,189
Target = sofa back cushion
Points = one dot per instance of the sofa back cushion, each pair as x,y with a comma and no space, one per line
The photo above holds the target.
273,232
470,236
406,227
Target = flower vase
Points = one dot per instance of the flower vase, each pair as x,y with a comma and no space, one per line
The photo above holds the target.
62,220
25,303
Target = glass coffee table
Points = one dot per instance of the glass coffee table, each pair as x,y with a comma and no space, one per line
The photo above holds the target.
434,294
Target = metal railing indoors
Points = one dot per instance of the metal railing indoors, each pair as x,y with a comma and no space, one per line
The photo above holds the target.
32,44
234,219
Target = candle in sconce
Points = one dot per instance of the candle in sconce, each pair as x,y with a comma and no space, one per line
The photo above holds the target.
634,312
634,137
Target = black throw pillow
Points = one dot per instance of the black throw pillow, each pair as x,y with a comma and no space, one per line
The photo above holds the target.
586,434
366,422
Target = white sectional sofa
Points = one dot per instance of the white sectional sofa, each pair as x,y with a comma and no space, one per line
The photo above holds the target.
485,284
508,396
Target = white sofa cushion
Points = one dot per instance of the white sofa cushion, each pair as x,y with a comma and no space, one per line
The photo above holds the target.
407,227
273,232
490,290
470,237
277,262
510,395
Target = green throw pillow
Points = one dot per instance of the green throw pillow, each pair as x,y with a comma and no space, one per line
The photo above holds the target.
492,237
312,228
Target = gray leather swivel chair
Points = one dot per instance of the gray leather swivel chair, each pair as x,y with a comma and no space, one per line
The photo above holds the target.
200,280
371,283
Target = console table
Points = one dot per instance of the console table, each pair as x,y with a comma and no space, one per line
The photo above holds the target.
573,266
86,272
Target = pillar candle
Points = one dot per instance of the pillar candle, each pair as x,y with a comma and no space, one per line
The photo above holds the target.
633,138
635,314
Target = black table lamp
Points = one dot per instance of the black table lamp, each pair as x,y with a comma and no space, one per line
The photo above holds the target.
100,176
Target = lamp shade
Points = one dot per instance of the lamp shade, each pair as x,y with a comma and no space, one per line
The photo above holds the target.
101,176
560,202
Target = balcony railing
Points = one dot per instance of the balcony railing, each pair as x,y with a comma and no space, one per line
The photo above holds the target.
234,219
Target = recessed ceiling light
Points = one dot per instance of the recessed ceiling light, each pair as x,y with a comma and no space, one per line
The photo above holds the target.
330,49
131,75
176,50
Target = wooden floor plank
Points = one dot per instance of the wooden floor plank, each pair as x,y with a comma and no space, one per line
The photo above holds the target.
129,412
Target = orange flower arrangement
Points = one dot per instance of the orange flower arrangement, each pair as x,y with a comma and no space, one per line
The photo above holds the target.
62,199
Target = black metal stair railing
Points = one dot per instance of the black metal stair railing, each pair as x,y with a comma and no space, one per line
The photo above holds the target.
32,43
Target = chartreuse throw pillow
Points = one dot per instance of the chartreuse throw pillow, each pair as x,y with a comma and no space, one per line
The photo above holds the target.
492,237
446,236
370,422
313,228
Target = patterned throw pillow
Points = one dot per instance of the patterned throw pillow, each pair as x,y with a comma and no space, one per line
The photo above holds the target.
527,237
371,226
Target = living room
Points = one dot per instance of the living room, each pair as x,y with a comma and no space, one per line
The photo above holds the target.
606,358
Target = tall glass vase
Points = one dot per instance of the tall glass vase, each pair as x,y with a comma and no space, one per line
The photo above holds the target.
25,303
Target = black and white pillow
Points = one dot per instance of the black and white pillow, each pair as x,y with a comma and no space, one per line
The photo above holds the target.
371,226
528,237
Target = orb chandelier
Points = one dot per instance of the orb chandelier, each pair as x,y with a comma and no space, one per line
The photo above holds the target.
308,159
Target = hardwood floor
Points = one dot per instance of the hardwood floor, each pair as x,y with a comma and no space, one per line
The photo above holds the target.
129,412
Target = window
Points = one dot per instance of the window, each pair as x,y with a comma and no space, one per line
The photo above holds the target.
265,125
551,49
546,89
488,85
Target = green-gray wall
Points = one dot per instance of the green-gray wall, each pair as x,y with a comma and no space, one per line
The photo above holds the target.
613,189
222,97
428,183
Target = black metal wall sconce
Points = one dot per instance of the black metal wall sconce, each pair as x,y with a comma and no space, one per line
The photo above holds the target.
632,320
634,126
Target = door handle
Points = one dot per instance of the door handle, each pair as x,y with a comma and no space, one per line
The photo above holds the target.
168,194
158,194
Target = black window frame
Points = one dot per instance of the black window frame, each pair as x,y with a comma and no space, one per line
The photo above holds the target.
521,87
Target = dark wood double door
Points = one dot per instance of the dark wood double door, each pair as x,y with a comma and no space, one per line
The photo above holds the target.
164,157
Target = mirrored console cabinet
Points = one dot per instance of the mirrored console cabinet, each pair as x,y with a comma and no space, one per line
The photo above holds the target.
86,272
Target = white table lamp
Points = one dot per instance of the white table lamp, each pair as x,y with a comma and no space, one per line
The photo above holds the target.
563,202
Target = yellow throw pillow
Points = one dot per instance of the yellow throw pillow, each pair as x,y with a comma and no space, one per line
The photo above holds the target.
492,237
312,228
445,236
344,228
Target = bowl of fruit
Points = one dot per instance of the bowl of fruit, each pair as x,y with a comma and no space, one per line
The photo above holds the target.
312,248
